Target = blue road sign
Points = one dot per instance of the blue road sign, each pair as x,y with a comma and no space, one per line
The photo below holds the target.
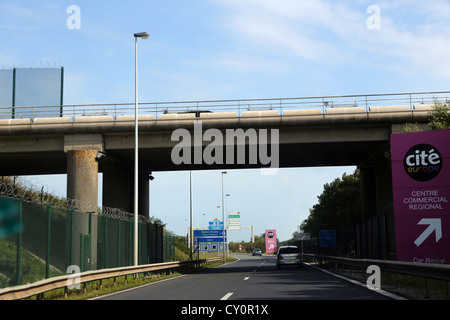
327,238
208,239
215,225
209,233
209,236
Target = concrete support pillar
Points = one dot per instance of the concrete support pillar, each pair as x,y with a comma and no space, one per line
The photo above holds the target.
368,192
377,229
82,186
82,179
385,210
82,169
144,195
118,190
383,186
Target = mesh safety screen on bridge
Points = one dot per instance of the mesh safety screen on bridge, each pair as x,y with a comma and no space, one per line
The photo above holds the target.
41,241
31,92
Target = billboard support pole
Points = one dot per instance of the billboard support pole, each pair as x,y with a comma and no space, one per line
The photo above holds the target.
62,93
14,94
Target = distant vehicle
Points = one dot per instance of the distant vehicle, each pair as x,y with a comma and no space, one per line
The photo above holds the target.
257,252
289,255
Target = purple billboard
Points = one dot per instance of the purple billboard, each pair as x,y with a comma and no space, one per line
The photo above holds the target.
421,186
271,241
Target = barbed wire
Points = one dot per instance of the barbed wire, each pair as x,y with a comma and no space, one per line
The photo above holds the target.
43,64
25,190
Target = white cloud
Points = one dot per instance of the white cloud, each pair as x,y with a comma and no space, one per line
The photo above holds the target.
279,25
241,61
414,35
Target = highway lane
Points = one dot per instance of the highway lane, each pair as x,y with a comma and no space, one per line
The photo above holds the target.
251,278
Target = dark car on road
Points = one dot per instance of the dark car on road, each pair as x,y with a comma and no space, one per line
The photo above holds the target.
257,252
289,255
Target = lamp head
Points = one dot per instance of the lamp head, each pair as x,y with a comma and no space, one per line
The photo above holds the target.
143,35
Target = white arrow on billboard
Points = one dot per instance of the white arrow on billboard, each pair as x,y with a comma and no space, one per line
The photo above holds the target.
434,225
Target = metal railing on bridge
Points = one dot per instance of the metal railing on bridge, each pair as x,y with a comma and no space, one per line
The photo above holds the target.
156,108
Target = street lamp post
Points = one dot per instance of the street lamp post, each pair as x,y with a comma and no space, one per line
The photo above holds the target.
191,209
226,213
143,35
226,206
223,219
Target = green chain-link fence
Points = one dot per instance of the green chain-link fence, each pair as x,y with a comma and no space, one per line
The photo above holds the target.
42,241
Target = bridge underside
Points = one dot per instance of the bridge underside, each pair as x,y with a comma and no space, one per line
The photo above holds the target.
298,147
159,159
291,155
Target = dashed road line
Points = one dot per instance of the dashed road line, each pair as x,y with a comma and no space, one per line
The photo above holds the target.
225,297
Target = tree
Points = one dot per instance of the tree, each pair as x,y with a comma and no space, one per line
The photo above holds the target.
440,116
338,207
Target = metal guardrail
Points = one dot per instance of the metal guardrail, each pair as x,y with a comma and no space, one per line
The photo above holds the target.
39,287
424,270
155,108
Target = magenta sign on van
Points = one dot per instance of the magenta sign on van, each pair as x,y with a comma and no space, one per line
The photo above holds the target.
421,185
271,241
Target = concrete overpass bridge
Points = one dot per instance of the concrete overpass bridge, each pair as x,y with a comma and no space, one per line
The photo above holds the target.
313,131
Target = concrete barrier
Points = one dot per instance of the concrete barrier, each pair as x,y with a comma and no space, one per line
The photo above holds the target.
218,115
345,111
130,117
55,120
94,119
302,112
390,109
176,116
423,107
261,113
15,121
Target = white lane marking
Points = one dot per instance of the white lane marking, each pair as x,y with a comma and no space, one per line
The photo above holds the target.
246,278
225,297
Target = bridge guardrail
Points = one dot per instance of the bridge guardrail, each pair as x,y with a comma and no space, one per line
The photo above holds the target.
424,270
39,287
238,106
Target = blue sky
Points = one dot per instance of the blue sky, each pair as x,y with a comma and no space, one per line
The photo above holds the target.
229,49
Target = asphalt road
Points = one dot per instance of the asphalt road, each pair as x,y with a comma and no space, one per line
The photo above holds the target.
251,278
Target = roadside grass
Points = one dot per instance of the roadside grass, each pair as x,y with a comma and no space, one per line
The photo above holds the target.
101,287
32,268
